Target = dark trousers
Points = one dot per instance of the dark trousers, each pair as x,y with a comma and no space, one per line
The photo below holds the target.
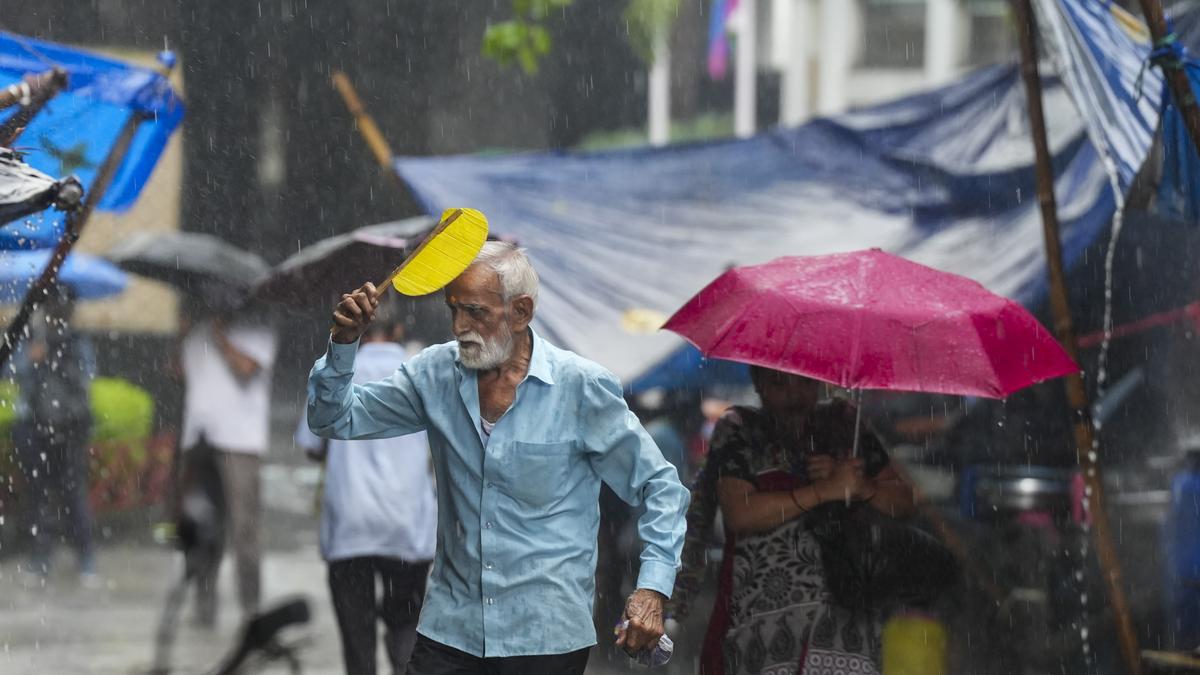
352,586
434,658
55,463
239,490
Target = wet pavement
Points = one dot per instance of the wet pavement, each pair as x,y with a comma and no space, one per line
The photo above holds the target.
63,626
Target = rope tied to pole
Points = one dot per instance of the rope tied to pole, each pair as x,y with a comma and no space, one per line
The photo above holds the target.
1167,54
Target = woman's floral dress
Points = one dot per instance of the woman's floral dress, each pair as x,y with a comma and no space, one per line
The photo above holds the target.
780,617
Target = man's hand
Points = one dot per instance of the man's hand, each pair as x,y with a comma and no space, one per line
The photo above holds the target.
243,365
353,314
644,612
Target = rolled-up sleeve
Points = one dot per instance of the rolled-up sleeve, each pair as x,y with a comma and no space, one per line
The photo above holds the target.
338,408
629,462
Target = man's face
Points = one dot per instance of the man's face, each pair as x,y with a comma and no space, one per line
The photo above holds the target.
784,393
480,319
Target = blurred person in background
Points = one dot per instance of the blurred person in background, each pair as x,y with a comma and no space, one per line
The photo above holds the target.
227,364
378,520
54,370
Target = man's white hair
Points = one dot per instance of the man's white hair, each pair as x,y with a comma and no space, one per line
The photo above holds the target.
509,262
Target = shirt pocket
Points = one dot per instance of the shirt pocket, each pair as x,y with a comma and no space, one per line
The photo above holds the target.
537,473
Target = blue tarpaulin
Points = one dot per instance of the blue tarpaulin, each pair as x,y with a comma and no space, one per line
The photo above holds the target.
1114,76
1102,54
76,129
944,178
1179,186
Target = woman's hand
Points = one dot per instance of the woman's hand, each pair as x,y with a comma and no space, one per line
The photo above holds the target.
847,482
820,467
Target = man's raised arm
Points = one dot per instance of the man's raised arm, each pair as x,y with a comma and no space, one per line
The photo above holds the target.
338,408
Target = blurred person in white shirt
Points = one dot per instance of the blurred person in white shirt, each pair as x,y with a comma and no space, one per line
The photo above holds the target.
227,367
378,520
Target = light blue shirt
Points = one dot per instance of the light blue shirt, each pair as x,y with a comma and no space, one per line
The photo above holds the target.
378,498
514,572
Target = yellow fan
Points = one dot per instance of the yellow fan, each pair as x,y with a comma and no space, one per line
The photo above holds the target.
442,255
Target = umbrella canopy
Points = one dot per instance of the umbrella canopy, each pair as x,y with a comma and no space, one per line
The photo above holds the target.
342,262
24,190
89,277
214,271
871,320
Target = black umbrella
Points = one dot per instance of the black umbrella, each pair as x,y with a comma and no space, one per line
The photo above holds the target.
342,262
24,190
214,271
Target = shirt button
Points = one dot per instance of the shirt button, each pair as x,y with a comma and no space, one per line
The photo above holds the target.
491,601
487,566
487,525
491,485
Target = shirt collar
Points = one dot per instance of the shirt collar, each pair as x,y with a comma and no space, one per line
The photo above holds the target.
539,361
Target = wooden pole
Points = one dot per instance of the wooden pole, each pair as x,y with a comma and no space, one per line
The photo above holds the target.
366,126
1174,72
1087,447
33,87
41,88
75,221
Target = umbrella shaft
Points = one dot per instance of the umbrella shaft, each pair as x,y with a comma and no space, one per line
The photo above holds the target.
857,422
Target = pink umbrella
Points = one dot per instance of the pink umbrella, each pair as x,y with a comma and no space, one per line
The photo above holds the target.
871,320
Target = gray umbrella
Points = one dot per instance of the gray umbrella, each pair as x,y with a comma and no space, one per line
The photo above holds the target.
24,190
211,269
343,262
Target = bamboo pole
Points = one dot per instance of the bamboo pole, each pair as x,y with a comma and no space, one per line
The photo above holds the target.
1174,73
1087,446
33,87
366,126
32,94
74,226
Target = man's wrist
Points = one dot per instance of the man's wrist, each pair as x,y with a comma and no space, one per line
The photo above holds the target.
658,576
656,594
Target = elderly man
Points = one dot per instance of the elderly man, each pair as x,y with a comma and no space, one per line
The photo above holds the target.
522,435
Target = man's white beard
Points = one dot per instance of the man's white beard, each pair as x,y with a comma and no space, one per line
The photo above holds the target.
477,353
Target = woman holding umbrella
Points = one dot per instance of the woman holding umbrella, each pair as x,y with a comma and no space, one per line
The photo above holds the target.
774,465
860,320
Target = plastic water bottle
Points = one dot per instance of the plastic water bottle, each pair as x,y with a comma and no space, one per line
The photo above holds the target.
1181,538
652,658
